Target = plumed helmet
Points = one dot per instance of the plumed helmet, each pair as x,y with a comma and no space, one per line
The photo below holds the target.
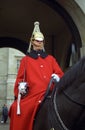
36,35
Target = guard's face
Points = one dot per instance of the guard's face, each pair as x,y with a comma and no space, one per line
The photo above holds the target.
37,45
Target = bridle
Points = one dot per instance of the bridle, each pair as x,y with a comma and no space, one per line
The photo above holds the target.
56,109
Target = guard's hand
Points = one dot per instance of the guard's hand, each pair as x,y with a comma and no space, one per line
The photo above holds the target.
55,78
22,87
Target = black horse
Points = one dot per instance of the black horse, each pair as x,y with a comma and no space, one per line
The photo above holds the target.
64,109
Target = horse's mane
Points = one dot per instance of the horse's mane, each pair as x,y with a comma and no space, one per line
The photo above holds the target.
75,73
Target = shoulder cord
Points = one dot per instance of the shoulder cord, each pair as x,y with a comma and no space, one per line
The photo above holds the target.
24,72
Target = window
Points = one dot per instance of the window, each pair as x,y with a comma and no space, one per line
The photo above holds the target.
18,64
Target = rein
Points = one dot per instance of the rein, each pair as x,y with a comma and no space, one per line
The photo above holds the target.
57,113
55,107
48,89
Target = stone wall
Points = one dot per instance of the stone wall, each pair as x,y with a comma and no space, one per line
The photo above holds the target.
8,72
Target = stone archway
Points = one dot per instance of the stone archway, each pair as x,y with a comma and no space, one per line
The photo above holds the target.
59,42
76,39
14,43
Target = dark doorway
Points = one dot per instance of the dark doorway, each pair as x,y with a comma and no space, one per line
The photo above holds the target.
59,29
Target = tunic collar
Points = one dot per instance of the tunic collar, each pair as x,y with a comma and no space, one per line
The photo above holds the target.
35,54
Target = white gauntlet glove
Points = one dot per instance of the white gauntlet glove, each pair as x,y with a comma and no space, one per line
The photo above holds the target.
22,87
23,91
55,77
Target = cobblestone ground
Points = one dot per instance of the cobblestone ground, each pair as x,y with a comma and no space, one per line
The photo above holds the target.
4,126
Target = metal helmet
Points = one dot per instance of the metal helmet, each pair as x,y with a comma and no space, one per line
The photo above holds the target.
36,35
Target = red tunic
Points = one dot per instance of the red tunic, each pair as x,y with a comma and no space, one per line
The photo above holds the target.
38,74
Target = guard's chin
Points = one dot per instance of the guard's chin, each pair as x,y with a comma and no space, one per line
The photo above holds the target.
38,47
